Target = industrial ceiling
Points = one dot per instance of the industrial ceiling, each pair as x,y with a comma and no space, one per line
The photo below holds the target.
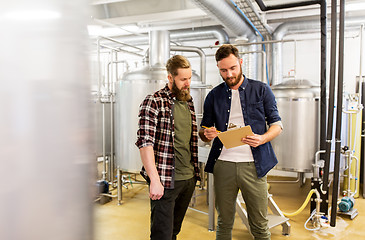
142,16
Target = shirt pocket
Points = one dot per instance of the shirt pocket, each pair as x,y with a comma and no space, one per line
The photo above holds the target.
257,110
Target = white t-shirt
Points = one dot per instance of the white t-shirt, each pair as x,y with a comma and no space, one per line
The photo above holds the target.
241,153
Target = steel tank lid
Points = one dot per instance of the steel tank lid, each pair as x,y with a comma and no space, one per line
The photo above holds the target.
296,89
295,83
145,74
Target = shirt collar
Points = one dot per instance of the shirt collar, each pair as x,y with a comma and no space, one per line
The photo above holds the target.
168,92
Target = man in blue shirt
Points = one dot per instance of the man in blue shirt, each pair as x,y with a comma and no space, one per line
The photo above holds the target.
238,102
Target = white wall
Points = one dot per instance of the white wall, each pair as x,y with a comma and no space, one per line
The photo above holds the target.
305,57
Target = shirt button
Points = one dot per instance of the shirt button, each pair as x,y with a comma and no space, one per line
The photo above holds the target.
229,97
228,110
220,149
226,124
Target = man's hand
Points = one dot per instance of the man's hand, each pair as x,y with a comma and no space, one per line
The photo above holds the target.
156,190
210,133
254,140
257,140
148,160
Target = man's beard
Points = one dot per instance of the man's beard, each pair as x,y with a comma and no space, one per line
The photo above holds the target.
236,79
181,95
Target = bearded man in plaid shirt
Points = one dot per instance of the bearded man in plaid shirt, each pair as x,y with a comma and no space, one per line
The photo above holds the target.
167,139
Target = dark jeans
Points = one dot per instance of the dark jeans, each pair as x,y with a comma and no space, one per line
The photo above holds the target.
168,213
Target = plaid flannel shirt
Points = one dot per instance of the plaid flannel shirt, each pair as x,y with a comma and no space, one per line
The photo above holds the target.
156,128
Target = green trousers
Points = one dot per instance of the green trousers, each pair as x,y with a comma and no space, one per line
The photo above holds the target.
229,177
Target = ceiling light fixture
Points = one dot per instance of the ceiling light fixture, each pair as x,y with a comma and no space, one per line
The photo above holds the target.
25,15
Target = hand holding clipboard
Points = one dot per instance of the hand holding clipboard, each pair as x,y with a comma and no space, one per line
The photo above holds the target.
233,138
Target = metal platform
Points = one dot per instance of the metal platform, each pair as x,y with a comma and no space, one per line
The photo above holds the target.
275,219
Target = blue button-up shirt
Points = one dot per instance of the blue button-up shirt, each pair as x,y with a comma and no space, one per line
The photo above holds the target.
258,109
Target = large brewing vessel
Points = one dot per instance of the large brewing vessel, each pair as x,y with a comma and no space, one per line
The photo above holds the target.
298,105
130,92
131,89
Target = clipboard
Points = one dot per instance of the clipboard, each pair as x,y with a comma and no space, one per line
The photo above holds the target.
232,138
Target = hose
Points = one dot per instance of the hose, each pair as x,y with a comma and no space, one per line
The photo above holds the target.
306,222
302,207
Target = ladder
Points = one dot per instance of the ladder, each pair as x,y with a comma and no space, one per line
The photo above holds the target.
275,219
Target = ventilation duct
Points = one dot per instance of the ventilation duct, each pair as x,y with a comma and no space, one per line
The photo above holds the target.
182,35
159,50
228,17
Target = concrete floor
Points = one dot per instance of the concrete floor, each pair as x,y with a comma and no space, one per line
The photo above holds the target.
130,221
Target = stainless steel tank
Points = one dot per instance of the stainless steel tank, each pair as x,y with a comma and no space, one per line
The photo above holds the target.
99,114
198,91
130,92
298,104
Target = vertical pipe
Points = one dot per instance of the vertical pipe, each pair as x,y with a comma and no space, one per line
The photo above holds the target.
277,71
363,138
99,68
336,176
327,156
119,185
111,163
295,59
360,63
362,133
103,142
201,55
112,118
159,50
323,74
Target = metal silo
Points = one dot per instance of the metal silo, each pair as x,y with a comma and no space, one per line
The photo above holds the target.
298,104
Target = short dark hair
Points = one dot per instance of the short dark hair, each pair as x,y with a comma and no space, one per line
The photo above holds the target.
176,62
225,50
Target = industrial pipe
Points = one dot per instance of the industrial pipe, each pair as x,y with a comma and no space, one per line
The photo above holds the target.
202,58
323,105
331,103
362,97
263,53
336,176
211,32
159,51
227,15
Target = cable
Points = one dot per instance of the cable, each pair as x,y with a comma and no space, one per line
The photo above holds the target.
302,207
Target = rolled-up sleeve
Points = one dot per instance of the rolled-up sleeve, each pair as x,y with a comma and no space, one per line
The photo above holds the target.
147,123
271,110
